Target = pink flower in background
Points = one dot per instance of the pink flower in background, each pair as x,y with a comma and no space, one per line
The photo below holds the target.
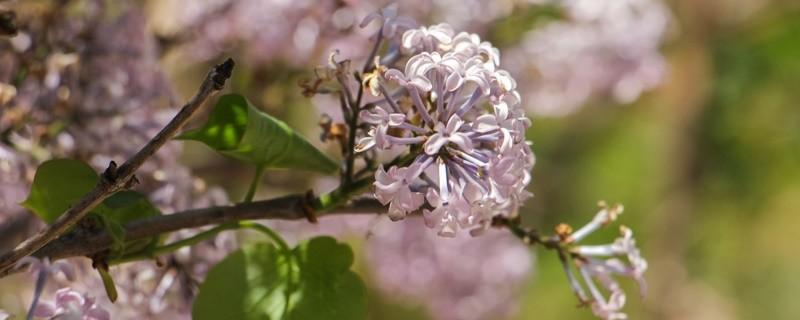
72,305
39,266
601,48
391,23
463,278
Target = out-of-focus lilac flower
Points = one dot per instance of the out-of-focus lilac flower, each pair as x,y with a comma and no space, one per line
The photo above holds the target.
600,48
72,305
107,104
13,183
391,23
4,315
600,263
265,31
427,39
463,278
463,115
299,31
43,269
38,266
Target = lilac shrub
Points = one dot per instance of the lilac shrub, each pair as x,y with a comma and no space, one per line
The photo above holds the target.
434,123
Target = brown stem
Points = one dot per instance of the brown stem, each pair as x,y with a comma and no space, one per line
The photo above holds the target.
285,208
116,179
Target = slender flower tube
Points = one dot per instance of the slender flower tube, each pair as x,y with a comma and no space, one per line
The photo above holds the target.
598,264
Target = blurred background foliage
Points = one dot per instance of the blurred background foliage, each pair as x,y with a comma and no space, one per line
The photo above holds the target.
708,166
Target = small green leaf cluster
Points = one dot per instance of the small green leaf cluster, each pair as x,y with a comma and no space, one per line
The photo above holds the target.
60,183
265,281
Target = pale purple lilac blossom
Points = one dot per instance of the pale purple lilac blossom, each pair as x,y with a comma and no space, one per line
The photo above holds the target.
71,305
600,263
267,31
465,120
43,269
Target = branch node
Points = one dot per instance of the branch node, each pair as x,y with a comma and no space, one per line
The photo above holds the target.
110,174
134,181
308,209
221,73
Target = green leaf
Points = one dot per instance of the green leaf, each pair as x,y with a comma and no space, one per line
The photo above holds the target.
256,281
327,288
57,185
119,209
238,129
60,183
127,206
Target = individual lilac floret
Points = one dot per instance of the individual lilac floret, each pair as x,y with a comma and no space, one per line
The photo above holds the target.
391,23
70,304
394,188
44,266
427,38
460,114
599,263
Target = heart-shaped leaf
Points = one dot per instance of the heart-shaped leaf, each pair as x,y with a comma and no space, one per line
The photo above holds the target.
261,281
60,183
238,129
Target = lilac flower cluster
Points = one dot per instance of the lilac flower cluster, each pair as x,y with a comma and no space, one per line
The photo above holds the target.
460,112
599,263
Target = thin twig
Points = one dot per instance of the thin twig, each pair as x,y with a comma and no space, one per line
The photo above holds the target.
369,64
115,179
352,125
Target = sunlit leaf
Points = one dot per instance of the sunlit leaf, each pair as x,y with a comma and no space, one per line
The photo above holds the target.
57,185
237,129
